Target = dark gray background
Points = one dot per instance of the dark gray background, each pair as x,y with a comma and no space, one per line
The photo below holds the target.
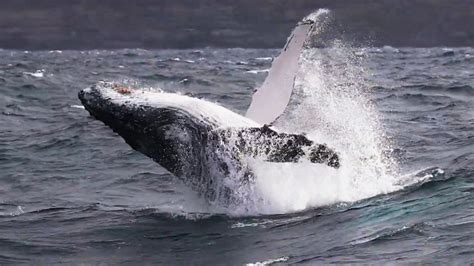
86,24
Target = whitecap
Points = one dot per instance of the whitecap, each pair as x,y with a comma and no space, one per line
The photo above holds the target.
264,58
389,48
18,211
257,71
77,106
252,224
269,262
37,74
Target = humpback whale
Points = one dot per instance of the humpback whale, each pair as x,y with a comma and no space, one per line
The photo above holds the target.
202,142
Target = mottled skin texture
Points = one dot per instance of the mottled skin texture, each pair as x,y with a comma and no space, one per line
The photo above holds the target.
281,147
196,150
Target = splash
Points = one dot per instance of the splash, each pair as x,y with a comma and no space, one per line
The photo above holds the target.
331,104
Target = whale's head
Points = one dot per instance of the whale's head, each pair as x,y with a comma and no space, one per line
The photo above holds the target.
170,135
172,129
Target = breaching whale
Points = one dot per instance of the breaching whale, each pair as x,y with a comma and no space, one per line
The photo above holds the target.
202,142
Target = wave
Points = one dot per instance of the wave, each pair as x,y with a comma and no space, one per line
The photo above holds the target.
462,90
405,231
257,71
37,74
269,261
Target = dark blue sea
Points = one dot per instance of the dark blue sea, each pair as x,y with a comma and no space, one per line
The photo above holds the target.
73,192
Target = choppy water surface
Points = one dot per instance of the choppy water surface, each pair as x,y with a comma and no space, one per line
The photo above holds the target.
403,120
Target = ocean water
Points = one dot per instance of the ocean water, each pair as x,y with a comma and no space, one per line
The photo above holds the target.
402,119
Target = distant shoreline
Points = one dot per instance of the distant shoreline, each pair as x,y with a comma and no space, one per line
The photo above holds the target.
203,48
184,24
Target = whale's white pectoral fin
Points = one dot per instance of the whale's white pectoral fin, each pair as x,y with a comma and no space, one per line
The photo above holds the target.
271,99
